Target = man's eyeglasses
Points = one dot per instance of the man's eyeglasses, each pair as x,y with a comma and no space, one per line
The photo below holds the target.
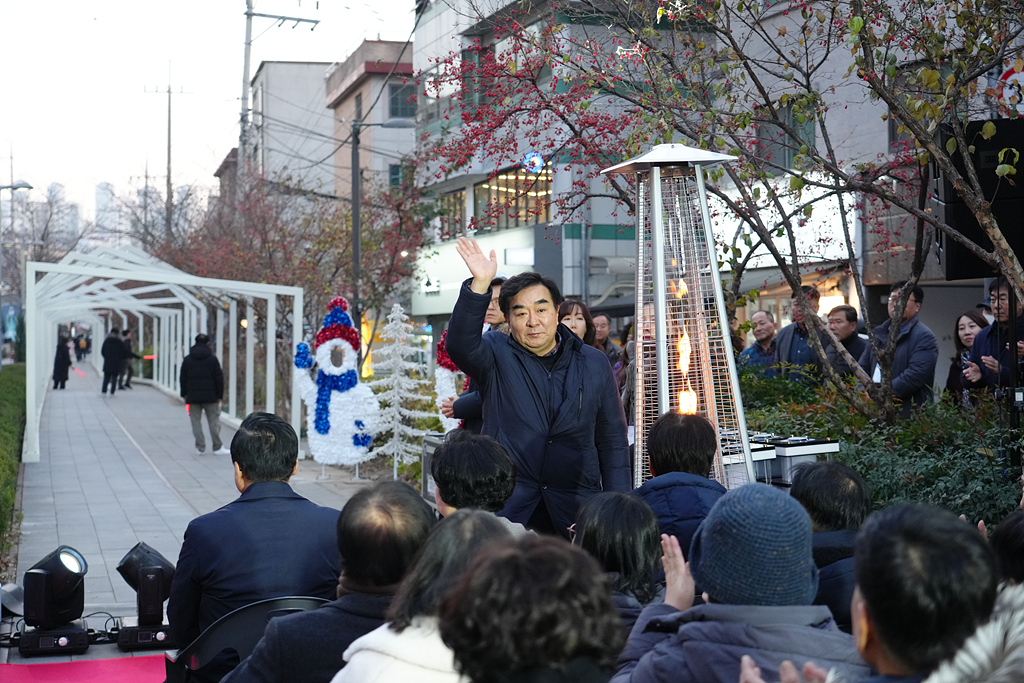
895,297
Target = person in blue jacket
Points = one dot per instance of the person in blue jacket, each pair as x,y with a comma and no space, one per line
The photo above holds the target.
989,364
549,399
681,450
917,352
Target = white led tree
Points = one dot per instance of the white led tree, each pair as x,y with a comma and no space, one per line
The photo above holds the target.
397,370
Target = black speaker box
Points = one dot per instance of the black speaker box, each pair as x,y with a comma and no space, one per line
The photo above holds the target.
1009,134
956,261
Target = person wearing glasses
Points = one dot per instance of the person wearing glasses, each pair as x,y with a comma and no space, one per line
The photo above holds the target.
989,362
917,352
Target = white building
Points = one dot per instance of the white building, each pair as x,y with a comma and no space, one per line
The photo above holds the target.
292,135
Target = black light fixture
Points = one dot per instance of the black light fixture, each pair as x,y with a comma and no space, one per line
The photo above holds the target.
150,574
54,598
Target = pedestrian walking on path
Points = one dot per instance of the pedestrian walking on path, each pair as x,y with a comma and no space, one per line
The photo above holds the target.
202,387
61,363
113,359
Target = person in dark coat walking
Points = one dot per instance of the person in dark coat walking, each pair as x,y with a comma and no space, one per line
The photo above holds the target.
113,358
547,397
61,363
681,450
124,380
379,533
836,498
202,386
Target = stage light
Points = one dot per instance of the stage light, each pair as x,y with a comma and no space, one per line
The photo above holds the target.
150,574
54,598
55,589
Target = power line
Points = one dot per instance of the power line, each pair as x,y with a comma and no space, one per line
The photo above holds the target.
386,83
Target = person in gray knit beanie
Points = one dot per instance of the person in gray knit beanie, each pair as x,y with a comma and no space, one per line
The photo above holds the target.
754,548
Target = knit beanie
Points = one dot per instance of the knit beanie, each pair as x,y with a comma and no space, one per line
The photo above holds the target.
754,548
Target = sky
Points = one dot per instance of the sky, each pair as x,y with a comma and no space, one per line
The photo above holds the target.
74,106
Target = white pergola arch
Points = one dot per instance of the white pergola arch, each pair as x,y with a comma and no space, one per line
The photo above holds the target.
105,284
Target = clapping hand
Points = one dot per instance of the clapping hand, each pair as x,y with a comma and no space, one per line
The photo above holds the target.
482,268
679,584
972,372
749,673
447,407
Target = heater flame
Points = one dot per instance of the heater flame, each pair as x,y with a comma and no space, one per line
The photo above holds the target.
687,397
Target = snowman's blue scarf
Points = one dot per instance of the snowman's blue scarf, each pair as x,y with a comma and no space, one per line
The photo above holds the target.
325,385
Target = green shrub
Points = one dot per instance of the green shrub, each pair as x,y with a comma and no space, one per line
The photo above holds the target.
12,430
942,455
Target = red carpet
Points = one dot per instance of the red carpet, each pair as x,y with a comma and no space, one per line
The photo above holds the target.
118,670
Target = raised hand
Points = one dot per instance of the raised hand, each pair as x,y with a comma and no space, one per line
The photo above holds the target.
480,266
679,584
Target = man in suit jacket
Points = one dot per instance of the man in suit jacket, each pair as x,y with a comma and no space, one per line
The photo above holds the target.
269,543
379,532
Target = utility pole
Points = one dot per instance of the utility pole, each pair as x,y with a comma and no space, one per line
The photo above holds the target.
169,204
242,167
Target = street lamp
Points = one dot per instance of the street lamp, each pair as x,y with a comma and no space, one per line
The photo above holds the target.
16,185
357,256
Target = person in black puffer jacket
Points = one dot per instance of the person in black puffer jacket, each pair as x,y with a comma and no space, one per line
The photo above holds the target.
113,358
202,387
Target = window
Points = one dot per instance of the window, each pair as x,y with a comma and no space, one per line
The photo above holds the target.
359,107
402,101
476,81
776,146
513,199
453,215
394,175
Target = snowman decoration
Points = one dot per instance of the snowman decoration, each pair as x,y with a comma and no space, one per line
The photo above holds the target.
340,412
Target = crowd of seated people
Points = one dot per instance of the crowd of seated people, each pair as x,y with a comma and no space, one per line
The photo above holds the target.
676,581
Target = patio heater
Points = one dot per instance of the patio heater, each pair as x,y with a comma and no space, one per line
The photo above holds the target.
684,356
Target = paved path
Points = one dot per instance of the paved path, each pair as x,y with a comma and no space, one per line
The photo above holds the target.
114,471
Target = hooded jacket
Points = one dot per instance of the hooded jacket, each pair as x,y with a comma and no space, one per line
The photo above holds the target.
201,379
564,428
416,655
704,644
680,501
995,653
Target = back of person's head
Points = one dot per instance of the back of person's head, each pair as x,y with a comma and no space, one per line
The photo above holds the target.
1007,543
202,339
265,448
380,530
681,443
115,332
532,605
927,581
754,548
621,532
473,471
834,495
517,283
126,333
917,292
450,547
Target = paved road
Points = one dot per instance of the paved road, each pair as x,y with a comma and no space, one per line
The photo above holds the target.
114,471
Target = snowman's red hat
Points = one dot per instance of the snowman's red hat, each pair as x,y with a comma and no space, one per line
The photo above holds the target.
338,325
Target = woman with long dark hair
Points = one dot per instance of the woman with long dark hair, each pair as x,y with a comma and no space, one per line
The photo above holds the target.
621,532
409,647
575,315
967,326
